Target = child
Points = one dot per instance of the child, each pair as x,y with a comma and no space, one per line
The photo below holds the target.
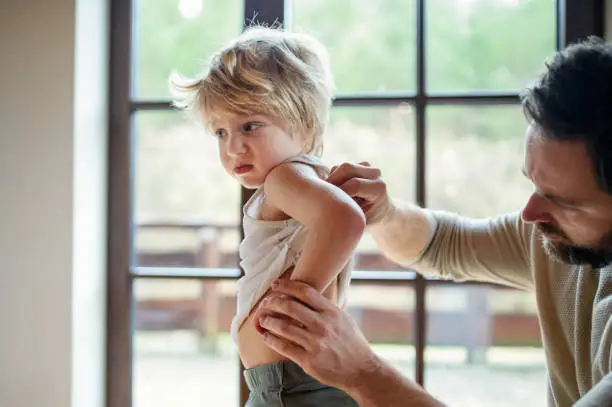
266,97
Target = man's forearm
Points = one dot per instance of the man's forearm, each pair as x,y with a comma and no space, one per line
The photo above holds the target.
600,395
383,386
404,233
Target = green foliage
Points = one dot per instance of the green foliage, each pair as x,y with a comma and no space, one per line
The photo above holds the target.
165,41
487,45
471,45
372,42
473,153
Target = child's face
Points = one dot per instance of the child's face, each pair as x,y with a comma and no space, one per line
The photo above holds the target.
251,146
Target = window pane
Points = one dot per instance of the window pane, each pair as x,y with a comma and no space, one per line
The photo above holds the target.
183,355
178,35
487,44
372,44
479,337
474,159
384,136
186,207
385,315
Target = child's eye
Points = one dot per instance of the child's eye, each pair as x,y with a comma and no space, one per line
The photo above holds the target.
249,127
220,133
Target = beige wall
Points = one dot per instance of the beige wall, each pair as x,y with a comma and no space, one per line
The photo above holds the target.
52,168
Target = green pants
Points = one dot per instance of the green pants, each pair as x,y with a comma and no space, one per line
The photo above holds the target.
285,384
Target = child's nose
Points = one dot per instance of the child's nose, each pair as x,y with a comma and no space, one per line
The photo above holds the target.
236,145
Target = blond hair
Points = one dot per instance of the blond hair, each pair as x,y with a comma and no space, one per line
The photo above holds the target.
266,71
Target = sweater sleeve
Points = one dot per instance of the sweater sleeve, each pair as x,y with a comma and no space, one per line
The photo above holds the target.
495,250
600,395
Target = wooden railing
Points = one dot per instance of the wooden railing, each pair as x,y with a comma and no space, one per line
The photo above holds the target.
474,327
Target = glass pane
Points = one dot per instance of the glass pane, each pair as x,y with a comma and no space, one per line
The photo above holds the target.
385,315
372,44
187,208
178,35
479,337
474,159
183,355
487,44
384,136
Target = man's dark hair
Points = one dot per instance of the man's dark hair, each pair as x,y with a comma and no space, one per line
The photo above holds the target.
572,101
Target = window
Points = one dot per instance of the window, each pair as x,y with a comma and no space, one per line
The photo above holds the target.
427,91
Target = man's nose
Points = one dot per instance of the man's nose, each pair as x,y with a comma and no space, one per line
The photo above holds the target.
536,210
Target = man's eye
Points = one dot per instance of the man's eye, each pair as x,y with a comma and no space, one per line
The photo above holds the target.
220,133
565,205
249,127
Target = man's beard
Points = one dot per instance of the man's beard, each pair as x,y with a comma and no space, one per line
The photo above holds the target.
597,256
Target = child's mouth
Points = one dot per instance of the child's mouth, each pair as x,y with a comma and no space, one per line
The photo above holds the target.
242,169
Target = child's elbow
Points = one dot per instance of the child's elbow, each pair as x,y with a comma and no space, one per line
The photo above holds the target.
347,220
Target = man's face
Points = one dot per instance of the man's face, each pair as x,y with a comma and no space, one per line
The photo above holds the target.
571,213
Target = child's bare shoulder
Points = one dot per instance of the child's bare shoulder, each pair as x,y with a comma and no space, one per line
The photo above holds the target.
292,172
287,181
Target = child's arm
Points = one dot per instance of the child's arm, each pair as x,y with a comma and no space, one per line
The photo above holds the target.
335,222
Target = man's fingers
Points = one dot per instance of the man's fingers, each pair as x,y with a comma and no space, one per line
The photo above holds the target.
284,347
285,329
259,312
368,189
347,171
362,163
303,293
291,311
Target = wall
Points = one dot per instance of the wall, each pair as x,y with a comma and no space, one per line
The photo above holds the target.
52,202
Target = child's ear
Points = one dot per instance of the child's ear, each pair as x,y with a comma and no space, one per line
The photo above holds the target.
307,144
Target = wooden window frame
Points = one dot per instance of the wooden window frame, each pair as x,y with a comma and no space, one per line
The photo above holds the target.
587,18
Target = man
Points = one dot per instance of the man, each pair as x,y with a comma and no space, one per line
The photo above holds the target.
559,247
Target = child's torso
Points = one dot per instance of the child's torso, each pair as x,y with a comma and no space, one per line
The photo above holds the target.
269,234
253,351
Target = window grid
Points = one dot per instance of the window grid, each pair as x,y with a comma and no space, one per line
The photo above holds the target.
586,20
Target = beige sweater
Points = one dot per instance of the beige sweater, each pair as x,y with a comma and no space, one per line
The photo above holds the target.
574,303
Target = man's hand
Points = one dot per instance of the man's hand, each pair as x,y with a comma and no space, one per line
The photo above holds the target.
365,185
328,345
313,332
402,230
